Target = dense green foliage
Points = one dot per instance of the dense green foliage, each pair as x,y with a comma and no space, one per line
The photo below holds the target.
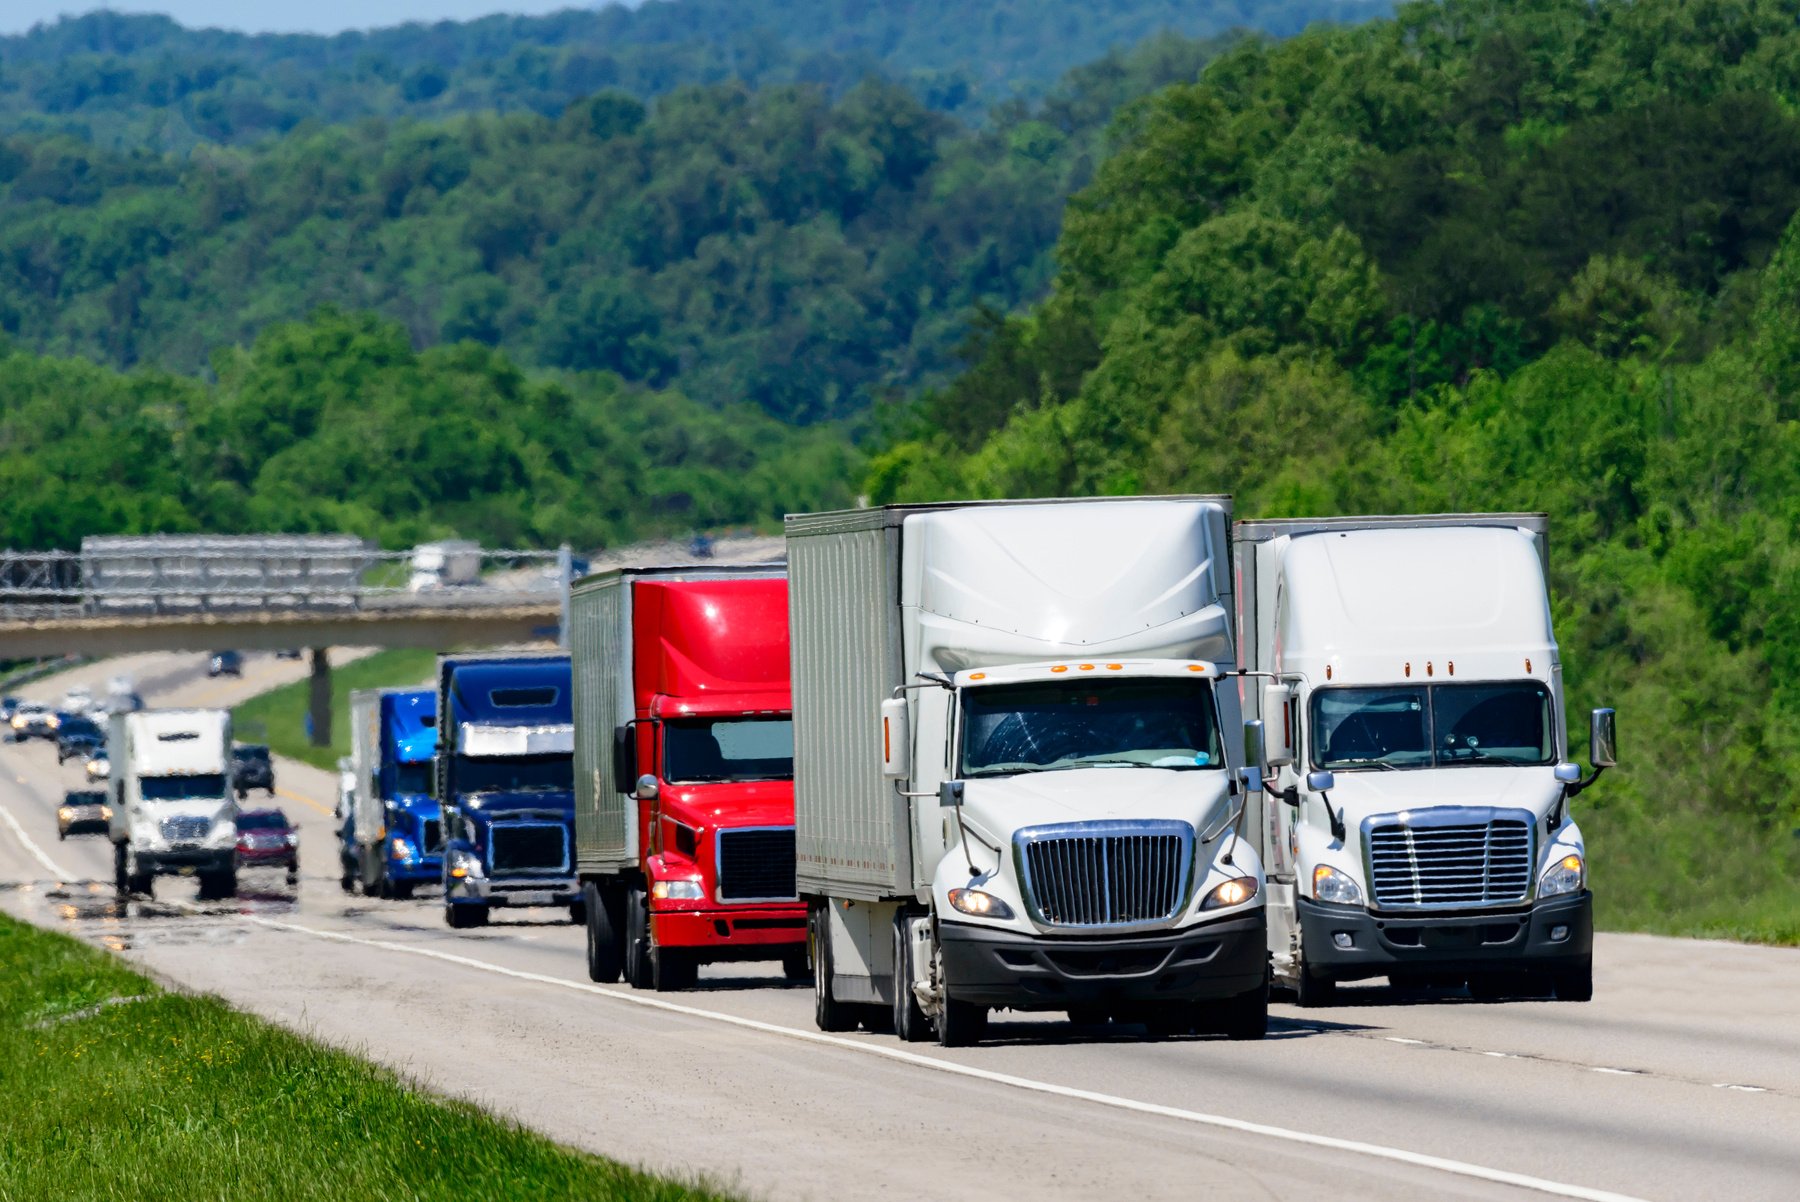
278,717
1494,254
338,424
141,1093
145,81
774,247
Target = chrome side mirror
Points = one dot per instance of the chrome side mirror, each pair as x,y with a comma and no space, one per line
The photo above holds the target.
646,788
1322,781
1603,739
1567,774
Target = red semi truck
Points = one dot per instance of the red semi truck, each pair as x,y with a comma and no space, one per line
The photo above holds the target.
684,772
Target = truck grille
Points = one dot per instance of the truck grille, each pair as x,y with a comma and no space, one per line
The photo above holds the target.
757,865
1459,857
185,829
434,836
528,847
1105,874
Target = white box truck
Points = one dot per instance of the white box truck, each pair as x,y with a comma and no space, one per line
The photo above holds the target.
1415,818
173,808
1015,736
448,564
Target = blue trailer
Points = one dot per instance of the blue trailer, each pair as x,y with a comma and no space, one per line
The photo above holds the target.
395,822
506,782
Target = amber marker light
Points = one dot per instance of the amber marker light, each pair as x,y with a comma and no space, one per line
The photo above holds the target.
978,676
1060,668
1114,667
1087,667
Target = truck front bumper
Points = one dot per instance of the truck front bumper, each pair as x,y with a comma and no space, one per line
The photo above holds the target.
175,860
1219,959
737,933
481,891
1348,943
428,871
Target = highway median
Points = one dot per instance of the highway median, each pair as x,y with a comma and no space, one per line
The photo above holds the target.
145,1093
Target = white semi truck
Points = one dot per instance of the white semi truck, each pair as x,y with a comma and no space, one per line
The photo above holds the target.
173,808
1015,739
1414,821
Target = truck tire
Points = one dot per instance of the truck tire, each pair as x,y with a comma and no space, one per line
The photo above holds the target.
1575,984
673,969
465,917
910,1022
401,890
961,1024
603,944
578,913
796,965
637,940
348,879
1312,990
1245,1016
829,1013
120,881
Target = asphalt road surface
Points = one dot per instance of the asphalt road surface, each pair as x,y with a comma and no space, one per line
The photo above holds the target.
1681,1080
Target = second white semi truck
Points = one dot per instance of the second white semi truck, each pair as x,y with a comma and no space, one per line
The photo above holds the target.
1415,818
1015,751
173,808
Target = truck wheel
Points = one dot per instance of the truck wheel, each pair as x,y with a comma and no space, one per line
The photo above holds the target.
401,890
465,917
961,1024
637,940
1575,984
578,913
348,879
1311,989
603,944
910,1023
829,1013
795,965
121,882
1245,1016
673,969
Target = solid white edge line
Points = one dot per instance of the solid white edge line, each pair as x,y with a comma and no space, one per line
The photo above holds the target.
50,866
1399,1155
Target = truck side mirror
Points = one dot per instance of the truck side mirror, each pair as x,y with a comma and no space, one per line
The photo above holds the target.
1252,771
1278,719
646,788
1566,774
1603,739
896,740
950,794
1321,782
624,759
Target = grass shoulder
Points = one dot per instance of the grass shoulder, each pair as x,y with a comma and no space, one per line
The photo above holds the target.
279,715
138,1092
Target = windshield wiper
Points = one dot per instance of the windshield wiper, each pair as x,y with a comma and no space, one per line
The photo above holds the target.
1366,763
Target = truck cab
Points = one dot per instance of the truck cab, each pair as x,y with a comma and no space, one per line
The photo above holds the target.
505,781
393,744
686,715
1416,819
174,812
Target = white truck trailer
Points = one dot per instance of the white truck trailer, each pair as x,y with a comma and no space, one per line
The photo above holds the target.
1415,818
1013,787
451,563
173,808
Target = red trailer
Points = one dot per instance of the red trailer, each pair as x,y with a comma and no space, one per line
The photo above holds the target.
684,766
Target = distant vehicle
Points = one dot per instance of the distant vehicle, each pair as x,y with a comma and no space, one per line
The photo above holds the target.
446,564
78,700
121,697
98,767
8,707
266,839
173,809
346,824
34,720
83,812
251,768
78,735
288,653
398,828
225,663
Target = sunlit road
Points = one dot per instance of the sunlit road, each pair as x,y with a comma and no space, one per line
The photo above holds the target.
1681,1080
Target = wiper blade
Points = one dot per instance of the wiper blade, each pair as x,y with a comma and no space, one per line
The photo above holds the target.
1366,763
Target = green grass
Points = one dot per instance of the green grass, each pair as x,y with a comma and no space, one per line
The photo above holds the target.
179,1097
281,713
1706,876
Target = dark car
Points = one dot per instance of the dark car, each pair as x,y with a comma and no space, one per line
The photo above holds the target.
225,663
78,736
266,839
251,768
83,811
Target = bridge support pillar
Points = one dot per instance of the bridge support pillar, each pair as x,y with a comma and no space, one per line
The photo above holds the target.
319,702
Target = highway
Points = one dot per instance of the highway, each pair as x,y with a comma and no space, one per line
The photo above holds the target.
1681,1079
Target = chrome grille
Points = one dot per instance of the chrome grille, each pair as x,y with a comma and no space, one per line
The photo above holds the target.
1105,874
527,847
185,829
756,864
1451,857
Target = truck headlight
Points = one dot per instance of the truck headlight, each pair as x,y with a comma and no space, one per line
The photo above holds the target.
1330,885
400,848
677,891
1234,892
979,904
1567,875
461,864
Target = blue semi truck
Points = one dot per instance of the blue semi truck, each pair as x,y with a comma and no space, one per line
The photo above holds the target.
506,782
395,831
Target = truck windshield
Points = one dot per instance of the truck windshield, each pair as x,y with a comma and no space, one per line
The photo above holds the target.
1432,726
416,778
209,785
516,774
1086,723
701,750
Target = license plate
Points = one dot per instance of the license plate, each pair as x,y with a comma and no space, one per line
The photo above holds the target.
535,897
